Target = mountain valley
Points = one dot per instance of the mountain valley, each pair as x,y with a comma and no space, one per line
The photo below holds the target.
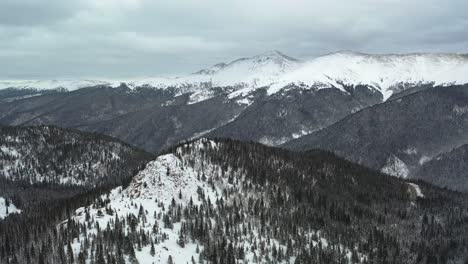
344,158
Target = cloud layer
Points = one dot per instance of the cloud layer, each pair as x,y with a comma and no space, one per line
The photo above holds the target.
135,38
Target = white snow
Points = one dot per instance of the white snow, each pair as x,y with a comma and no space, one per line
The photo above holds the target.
411,151
460,110
5,211
303,132
154,188
382,72
158,185
14,158
273,141
424,159
395,167
417,190
275,71
52,84
9,151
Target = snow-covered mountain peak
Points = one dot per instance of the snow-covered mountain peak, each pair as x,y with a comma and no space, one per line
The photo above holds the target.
161,202
51,84
275,56
271,57
169,174
384,72
212,70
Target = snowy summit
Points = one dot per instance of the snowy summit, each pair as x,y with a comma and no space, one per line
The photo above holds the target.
386,73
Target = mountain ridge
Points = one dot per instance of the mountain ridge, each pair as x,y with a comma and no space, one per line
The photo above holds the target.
202,197
399,136
387,73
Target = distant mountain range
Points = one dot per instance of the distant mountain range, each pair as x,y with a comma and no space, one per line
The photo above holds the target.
387,74
272,98
211,193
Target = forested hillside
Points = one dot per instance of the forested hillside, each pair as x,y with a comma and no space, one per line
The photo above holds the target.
399,136
50,155
222,201
42,167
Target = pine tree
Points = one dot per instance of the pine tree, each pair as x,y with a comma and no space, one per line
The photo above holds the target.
70,254
152,251
169,260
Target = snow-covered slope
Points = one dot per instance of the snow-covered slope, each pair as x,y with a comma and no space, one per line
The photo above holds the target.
52,84
257,71
7,208
172,181
388,73
162,198
242,74
51,155
383,72
224,201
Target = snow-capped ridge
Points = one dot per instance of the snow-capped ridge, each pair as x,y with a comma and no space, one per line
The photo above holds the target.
169,173
7,208
69,85
387,73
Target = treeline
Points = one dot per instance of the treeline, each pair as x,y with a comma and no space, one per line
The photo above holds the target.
49,172
64,157
275,206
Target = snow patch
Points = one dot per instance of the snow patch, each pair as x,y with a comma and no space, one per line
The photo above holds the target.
411,151
272,141
460,110
417,190
395,167
7,210
424,159
9,151
303,132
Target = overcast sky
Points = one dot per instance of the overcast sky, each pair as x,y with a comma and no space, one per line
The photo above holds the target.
137,38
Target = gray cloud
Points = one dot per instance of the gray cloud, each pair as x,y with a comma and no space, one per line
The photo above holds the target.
132,38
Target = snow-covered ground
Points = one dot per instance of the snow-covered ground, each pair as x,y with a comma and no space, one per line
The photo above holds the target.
386,73
383,72
180,178
7,210
395,167
417,190
52,84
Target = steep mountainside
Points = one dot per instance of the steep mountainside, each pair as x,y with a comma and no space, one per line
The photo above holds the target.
12,94
447,169
399,136
387,73
159,127
269,98
84,106
50,155
218,201
273,120
154,119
